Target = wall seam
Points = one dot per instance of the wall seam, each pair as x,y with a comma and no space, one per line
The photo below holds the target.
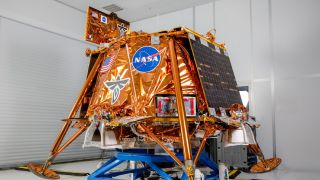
194,18
272,80
251,89
214,14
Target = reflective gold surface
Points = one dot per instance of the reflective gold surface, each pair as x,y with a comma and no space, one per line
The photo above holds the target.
38,170
137,98
266,165
99,31
131,112
178,82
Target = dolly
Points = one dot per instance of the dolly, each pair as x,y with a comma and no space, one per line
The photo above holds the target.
151,163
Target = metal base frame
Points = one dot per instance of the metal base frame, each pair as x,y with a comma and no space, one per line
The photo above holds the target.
150,162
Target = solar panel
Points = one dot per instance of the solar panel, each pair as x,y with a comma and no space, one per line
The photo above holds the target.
216,74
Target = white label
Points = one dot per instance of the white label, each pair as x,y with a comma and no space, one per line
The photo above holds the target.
155,40
104,19
212,111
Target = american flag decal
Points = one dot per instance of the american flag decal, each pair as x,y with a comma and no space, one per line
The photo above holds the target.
107,64
94,14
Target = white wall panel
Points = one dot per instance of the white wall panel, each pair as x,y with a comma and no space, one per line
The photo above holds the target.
165,21
261,51
297,123
204,18
41,75
261,66
146,25
47,14
262,104
176,19
296,45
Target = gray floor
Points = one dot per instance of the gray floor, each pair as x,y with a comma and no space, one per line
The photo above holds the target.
89,166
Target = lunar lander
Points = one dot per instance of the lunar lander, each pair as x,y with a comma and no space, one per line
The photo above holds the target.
146,91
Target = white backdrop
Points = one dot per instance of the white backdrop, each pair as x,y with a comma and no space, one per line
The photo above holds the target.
41,74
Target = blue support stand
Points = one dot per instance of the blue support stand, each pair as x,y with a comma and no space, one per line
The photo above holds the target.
150,162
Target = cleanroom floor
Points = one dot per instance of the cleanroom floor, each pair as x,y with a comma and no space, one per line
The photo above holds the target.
90,166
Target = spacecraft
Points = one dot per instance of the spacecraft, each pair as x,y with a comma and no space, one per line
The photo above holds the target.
162,91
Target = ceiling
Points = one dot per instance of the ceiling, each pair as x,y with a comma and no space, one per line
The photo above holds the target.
134,10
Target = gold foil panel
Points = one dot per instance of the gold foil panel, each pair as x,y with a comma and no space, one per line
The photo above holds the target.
102,27
137,97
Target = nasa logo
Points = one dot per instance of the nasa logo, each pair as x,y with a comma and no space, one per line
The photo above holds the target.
146,59
104,19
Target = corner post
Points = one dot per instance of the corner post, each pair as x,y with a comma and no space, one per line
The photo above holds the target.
181,111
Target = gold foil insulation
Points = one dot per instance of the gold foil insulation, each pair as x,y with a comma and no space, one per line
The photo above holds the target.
102,27
137,98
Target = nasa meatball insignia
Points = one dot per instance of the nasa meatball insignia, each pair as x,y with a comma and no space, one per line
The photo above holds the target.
146,59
